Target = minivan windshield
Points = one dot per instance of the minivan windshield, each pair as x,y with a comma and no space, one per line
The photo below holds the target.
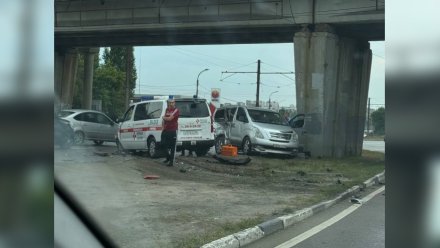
192,109
265,117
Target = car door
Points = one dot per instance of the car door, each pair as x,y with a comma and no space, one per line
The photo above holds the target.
90,125
239,126
234,134
126,129
139,124
297,123
108,129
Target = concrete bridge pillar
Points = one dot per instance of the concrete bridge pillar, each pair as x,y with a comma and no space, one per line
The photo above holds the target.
332,76
66,63
89,58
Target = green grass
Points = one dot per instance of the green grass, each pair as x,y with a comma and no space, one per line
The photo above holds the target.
220,232
320,175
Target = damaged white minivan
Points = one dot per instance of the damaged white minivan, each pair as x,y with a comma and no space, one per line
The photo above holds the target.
254,129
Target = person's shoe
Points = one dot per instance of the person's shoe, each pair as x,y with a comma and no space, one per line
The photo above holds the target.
170,164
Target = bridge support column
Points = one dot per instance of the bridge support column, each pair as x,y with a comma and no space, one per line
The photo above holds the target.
66,63
89,59
332,76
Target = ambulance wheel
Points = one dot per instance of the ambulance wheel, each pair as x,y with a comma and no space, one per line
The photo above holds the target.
78,138
246,146
152,148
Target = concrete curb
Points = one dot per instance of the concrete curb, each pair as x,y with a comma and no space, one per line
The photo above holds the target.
252,234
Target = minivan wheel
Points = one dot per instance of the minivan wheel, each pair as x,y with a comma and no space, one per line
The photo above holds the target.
152,148
247,146
78,138
219,142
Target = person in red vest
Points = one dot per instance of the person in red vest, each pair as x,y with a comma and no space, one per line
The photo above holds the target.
169,132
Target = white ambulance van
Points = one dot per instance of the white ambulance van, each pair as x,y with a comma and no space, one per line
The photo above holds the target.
141,126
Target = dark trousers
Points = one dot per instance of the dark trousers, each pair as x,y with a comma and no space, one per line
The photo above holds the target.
168,140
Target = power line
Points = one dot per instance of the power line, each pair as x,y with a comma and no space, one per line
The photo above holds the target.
210,56
275,66
198,59
258,72
159,86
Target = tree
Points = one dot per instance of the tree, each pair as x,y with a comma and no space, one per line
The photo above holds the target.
378,120
109,81
109,87
117,56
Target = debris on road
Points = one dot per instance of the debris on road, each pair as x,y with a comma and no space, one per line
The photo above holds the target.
236,160
151,177
356,200
103,154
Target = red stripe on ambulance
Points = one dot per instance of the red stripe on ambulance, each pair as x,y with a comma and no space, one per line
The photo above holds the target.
130,130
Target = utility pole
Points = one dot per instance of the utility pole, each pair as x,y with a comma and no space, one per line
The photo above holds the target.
258,72
368,116
258,84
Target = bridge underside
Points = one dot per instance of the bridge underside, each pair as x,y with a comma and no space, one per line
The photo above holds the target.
206,35
332,54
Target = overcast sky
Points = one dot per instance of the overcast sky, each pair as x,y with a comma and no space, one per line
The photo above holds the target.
174,70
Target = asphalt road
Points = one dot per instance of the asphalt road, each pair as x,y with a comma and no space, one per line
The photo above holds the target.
364,227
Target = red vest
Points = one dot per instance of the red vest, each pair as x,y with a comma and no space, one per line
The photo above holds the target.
171,125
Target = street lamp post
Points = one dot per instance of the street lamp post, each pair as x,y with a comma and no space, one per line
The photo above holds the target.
270,96
197,90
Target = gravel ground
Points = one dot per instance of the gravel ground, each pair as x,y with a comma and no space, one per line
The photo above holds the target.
196,195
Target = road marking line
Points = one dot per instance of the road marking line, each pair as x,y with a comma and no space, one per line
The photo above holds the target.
307,234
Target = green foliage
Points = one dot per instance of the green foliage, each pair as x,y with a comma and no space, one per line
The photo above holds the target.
378,120
109,86
109,80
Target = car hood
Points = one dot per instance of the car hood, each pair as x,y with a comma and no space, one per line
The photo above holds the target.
273,127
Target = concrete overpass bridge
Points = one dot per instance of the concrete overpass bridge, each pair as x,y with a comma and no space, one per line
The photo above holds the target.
332,55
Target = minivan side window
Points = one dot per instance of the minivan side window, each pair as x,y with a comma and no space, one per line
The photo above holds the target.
141,112
128,114
220,115
230,112
241,115
155,110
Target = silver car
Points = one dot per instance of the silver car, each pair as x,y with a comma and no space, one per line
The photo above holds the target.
90,125
254,129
